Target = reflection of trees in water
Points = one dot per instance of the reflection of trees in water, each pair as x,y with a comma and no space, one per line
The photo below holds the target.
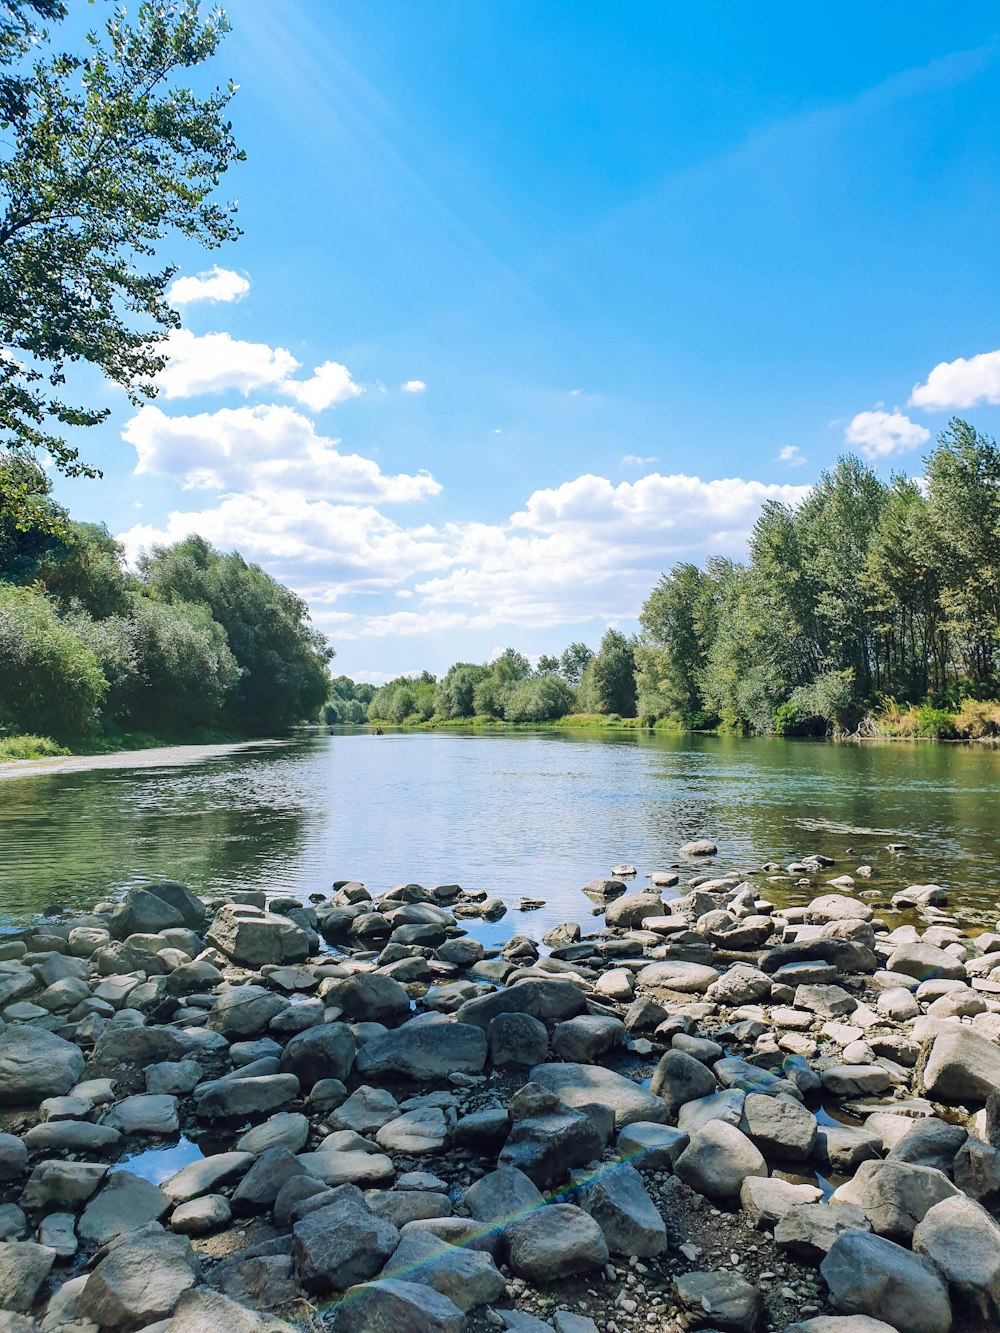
71,840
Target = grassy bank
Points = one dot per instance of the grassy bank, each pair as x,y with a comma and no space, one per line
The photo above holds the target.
572,721
13,748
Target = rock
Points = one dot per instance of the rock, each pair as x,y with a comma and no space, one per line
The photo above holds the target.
766,1200
699,847
555,1242
424,1051
401,1206
963,1242
35,1064
125,1203
618,1202
869,1275
725,1301
502,1196
245,1011
895,1196
929,1142
265,1180
851,1323
960,1066
173,1078
341,1243
586,1038
24,1266
467,1277
349,1168
680,1078
366,1109
324,1051
809,1230
240,1097
78,1136
13,1157
144,1114
201,1216
727,1106
253,937
740,985
828,1001
62,1183
842,1148
287,1129
583,1085
138,1282
517,1039
550,1001
630,910
204,1311
855,1080
717,1161
683,977
651,1146
779,1126
977,1173
206,1175
547,1143
371,997
392,1305
925,961
420,1131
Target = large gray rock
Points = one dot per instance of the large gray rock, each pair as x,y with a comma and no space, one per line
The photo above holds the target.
35,1064
423,1051
630,910
766,1200
61,1183
651,1146
139,1281
144,913
349,1167
253,937
370,997
847,1323
366,1109
206,1175
342,1243
244,1011
587,1037
517,1039
125,1203
869,1275
686,978
233,1099
809,1230
724,1300
24,1266
717,1161
585,1085
631,1223
549,1001
324,1051
555,1242
392,1305
680,1078
501,1196
13,1157
467,1277
286,1129
779,1126
550,1139
896,1196
963,1242
205,1311
929,1142
925,961
145,1113
960,1066
424,1130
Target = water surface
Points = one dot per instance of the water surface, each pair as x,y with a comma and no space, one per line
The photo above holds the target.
517,814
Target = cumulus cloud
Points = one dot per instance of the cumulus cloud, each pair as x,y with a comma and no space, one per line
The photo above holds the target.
262,450
880,434
792,455
330,383
964,382
215,284
213,362
413,386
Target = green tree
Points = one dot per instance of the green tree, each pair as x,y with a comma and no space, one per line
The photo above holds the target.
574,660
283,660
455,696
612,675
105,155
541,699
547,665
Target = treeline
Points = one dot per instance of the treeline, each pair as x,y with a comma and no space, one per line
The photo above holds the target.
194,642
871,607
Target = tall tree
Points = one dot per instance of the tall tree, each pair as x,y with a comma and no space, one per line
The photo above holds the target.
104,155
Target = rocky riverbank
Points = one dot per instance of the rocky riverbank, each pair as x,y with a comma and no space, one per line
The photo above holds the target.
699,1113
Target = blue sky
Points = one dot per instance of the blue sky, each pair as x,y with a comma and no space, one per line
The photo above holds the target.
587,283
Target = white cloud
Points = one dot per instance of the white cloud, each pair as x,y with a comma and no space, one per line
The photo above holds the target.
330,383
413,386
215,284
212,362
636,460
262,450
960,383
880,434
791,454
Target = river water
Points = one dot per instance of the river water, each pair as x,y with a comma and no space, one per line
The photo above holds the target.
521,815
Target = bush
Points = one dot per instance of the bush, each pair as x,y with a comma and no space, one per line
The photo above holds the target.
788,720
50,680
977,718
29,747
542,699
935,723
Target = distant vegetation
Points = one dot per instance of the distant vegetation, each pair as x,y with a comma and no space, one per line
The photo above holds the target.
871,608
197,643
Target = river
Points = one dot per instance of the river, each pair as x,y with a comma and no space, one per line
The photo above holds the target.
517,814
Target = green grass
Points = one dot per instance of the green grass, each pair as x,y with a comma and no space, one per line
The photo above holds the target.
28,747
590,721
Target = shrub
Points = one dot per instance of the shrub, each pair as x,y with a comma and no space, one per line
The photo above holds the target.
935,723
978,718
788,720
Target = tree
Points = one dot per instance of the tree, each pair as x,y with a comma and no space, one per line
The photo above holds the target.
547,665
283,660
455,695
106,156
612,675
574,662
542,699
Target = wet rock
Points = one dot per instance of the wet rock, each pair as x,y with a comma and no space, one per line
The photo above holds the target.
325,1051
342,1243
724,1301
717,1161
138,1282
699,847
555,1242
582,1085
869,1275
961,1239
468,1278
680,1078
124,1204
424,1050
618,1202
35,1064
253,937
144,1114
24,1266
392,1305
